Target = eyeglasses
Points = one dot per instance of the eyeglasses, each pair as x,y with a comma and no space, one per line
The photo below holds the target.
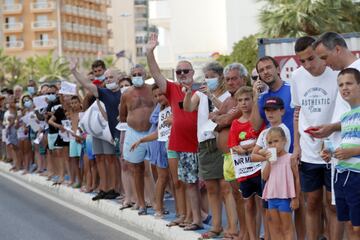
136,75
254,77
182,71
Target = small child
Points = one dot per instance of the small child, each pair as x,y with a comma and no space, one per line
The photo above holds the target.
347,178
12,141
242,139
282,188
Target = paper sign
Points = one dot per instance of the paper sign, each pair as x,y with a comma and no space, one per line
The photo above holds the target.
164,128
243,166
34,122
39,138
94,123
209,126
40,102
26,119
68,88
122,126
66,135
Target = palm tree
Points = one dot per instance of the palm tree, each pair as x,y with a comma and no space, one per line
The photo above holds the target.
14,71
3,60
48,69
294,18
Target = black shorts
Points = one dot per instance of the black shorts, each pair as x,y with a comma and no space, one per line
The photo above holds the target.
251,186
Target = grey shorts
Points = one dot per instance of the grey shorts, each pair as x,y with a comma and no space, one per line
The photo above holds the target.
100,146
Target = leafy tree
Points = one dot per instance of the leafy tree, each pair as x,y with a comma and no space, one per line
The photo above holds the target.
14,71
294,18
244,51
3,60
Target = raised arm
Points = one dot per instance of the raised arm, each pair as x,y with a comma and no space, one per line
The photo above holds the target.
255,118
81,79
191,102
160,80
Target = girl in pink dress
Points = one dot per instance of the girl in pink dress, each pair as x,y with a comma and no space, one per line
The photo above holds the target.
282,186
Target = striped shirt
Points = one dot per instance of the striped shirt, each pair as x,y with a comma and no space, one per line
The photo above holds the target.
350,138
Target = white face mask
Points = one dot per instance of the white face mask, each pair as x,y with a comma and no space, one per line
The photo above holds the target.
137,81
123,89
111,86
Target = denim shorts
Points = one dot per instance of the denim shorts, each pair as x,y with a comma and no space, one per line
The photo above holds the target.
282,205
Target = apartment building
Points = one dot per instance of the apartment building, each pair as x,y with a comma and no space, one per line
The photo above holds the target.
66,27
130,28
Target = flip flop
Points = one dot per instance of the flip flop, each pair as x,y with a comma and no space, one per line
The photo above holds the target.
125,206
172,224
193,227
184,224
210,234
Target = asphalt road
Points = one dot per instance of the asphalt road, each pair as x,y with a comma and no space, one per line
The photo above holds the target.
26,215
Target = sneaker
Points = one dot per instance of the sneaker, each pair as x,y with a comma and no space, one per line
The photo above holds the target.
100,195
111,195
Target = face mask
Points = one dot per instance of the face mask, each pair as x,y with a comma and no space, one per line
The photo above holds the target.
212,83
123,89
31,90
137,81
28,104
101,78
111,86
51,97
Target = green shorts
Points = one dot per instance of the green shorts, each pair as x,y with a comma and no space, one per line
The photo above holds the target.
229,171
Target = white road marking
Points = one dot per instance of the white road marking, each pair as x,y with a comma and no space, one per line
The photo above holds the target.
77,209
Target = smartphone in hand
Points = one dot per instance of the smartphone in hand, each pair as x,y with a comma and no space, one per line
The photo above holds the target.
196,86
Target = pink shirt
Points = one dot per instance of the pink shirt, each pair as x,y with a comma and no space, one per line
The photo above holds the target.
281,180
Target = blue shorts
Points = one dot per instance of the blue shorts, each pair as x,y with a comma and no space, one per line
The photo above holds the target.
282,205
51,141
251,186
140,153
315,176
74,149
88,147
347,197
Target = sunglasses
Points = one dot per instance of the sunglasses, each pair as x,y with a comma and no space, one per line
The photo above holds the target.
182,71
255,77
136,75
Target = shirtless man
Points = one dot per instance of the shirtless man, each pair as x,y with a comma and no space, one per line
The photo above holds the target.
136,107
235,77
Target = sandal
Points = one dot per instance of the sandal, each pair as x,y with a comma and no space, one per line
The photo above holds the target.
184,224
158,215
230,236
142,211
193,227
126,205
176,222
210,234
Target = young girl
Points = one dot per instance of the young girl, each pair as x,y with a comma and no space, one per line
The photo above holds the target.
282,186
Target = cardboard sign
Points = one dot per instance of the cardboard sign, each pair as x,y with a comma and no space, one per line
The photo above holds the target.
40,102
243,165
164,129
94,123
68,88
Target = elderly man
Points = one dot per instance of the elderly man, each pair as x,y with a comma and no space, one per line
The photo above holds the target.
235,75
183,137
136,107
103,150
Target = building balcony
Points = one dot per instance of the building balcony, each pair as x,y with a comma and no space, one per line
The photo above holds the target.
43,25
14,45
44,44
10,9
13,27
42,7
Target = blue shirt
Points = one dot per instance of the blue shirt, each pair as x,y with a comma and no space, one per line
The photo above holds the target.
111,101
285,94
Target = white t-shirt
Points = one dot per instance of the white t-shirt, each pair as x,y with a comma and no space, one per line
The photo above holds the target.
203,115
316,95
341,107
261,141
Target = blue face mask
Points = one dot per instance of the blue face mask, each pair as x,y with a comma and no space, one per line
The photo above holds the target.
137,81
28,104
212,83
51,97
101,78
31,90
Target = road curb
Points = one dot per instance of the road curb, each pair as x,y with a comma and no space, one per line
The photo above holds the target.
110,208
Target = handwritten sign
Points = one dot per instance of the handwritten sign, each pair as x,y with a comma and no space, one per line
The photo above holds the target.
164,128
68,88
243,166
40,102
